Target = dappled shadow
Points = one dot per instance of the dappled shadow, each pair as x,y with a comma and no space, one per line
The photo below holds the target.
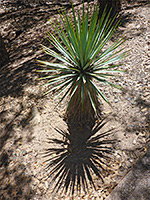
14,80
144,105
6,132
25,34
23,46
14,179
27,25
136,3
12,122
127,17
23,38
81,153
139,120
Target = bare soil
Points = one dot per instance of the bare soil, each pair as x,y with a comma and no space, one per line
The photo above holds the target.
28,119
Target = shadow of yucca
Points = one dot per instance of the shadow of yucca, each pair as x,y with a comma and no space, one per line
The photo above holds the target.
79,155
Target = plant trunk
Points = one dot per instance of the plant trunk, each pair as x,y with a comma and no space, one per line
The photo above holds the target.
82,114
4,58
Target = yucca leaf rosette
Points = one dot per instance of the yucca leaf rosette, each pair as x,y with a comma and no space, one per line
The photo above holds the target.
79,42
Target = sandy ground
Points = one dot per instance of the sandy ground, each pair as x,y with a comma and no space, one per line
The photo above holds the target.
27,118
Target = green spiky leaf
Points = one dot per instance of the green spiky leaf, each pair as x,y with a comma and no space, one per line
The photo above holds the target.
79,51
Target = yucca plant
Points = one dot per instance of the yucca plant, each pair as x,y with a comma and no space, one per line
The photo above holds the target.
79,41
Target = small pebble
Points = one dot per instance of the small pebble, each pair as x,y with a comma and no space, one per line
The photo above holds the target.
116,100
137,133
24,152
46,184
144,110
134,141
133,103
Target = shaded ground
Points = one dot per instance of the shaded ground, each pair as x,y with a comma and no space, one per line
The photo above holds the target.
27,118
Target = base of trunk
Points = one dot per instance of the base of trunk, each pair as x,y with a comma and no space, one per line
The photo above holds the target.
83,116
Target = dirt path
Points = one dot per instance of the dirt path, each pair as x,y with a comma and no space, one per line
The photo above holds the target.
27,118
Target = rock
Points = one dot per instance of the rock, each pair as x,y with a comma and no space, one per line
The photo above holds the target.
121,168
133,103
12,35
35,116
24,152
137,132
144,110
107,112
46,184
134,141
